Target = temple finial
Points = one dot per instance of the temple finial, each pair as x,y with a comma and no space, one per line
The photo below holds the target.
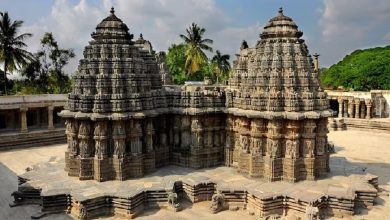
280,11
112,11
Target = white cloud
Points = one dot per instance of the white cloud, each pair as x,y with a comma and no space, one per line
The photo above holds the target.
70,24
348,25
229,39
387,37
160,21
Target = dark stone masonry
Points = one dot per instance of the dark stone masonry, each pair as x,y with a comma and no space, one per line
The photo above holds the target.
270,122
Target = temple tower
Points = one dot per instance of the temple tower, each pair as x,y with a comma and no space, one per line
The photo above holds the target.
277,108
110,117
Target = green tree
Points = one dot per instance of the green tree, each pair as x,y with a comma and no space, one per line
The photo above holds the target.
221,65
12,52
195,48
176,63
46,74
362,70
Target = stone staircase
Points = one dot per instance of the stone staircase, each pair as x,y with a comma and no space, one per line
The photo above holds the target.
368,124
32,139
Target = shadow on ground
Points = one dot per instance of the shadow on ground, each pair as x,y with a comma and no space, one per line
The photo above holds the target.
8,184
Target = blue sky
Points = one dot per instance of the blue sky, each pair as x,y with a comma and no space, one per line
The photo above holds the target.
332,28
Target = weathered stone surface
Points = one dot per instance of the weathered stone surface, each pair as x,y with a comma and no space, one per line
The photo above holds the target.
223,186
270,122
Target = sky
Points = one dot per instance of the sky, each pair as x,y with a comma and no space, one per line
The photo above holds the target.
332,28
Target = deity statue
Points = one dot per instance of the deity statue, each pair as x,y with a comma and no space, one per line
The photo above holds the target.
256,146
244,144
119,147
309,148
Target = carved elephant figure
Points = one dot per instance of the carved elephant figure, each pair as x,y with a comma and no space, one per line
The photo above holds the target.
83,212
217,203
18,196
172,200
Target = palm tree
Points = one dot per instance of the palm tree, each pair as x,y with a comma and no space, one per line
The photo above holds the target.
195,48
12,53
221,64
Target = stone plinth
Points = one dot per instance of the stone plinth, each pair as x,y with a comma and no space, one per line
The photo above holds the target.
339,195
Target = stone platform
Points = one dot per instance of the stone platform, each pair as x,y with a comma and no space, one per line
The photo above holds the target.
340,194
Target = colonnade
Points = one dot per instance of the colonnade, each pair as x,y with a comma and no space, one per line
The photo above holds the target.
350,107
23,118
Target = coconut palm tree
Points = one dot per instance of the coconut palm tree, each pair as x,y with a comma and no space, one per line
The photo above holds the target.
12,53
196,46
221,64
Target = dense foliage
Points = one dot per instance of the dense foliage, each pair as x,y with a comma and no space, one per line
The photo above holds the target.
188,61
195,47
46,73
362,70
221,65
176,59
12,53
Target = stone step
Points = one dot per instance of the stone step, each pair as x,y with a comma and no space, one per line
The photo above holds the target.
32,140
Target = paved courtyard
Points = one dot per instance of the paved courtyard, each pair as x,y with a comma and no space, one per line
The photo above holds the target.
355,150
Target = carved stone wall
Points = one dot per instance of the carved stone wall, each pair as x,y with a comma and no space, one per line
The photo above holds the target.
287,150
277,110
270,122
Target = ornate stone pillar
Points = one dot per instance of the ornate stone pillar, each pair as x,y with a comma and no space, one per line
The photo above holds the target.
136,145
72,133
84,137
149,136
100,136
176,131
345,112
308,148
350,108
196,130
369,106
229,145
340,101
363,110
357,108
23,119
50,125
292,142
273,167
119,137
185,132
163,134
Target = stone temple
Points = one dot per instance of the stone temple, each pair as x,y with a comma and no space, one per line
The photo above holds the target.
276,111
270,122
123,122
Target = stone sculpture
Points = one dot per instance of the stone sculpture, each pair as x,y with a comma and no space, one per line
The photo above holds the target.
217,203
173,202
18,197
